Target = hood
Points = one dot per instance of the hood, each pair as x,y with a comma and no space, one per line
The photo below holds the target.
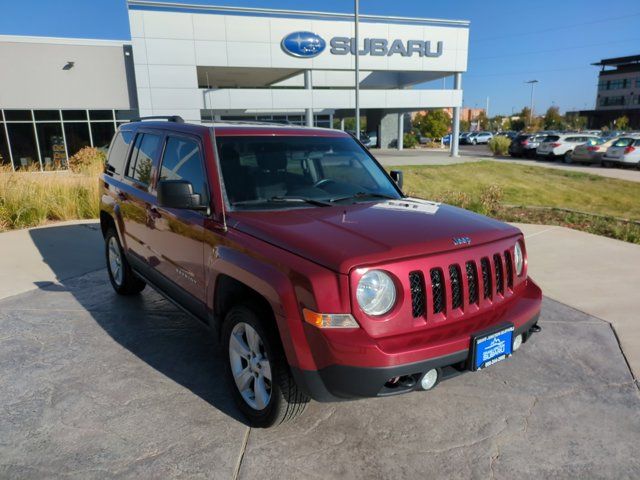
344,237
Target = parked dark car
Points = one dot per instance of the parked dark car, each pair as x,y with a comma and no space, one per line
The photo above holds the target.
318,276
524,145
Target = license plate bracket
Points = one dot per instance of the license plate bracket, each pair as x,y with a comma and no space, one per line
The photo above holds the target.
491,346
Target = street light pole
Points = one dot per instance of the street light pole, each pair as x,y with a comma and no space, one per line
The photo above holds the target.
533,84
357,62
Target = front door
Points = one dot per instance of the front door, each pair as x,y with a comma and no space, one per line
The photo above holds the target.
180,234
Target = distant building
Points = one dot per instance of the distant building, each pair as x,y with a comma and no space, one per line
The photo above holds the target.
618,93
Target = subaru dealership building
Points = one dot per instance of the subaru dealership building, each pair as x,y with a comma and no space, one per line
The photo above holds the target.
208,63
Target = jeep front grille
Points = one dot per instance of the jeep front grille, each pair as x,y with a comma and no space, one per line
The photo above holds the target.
485,280
437,290
418,296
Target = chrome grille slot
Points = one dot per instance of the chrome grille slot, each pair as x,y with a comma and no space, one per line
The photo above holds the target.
437,290
418,295
472,280
455,276
486,277
497,263
509,264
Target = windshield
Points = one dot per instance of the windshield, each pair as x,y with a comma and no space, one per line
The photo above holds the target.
291,172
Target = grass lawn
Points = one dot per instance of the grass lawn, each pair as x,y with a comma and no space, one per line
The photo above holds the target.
494,188
527,185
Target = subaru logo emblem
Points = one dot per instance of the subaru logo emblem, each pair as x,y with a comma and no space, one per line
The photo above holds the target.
303,44
461,241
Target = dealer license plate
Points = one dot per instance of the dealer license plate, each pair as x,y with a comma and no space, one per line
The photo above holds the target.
491,348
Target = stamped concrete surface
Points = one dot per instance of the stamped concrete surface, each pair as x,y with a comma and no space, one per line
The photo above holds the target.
94,385
591,273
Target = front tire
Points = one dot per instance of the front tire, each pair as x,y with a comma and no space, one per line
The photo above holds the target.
257,371
122,278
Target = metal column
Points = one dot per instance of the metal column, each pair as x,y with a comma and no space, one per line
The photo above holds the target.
455,132
356,39
400,131
342,124
308,85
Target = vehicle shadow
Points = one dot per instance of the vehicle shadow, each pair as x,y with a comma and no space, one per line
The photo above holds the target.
149,326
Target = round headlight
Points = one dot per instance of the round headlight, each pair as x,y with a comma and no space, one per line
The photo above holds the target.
376,293
518,259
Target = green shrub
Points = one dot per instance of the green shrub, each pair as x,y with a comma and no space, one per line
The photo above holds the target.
499,145
409,140
88,161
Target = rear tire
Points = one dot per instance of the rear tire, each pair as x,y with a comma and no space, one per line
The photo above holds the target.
122,278
257,370
567,157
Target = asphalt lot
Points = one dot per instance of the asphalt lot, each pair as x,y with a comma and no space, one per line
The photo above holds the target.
473,153
94,385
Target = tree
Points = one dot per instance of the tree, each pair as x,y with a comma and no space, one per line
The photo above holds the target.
464,125
483,121
525,115
516,124
575,121
622,123
553,120
432,124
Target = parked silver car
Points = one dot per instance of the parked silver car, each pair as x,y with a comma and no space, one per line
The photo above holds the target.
592,151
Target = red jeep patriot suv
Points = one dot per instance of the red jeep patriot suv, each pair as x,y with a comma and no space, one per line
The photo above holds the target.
319,277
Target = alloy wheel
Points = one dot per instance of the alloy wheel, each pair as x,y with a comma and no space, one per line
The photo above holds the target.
250,366
115,261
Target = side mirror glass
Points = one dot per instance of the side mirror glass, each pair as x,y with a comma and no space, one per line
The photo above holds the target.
178,194
397,177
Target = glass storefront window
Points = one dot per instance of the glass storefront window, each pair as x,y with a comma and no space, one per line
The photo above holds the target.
18,115
102,133
5,158
51,145
77,136
45,115
100,115
74,114
23,144
126,115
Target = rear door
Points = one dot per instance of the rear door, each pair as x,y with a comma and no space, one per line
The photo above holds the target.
178,248
137,199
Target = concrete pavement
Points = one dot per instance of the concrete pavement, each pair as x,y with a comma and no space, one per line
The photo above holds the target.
37,256
475,153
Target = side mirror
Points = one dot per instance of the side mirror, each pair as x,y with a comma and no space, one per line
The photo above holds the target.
178,194
397,177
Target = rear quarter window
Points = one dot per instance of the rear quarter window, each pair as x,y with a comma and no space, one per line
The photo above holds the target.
118,150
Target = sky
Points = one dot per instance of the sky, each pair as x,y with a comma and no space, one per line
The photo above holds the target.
553,42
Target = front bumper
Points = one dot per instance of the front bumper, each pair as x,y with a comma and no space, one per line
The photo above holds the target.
450,355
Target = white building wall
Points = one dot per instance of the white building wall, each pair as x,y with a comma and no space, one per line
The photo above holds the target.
169,45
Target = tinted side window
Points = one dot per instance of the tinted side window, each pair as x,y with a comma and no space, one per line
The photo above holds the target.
182,160
145,150
118,151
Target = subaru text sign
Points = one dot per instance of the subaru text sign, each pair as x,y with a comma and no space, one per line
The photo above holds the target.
303,44
309,45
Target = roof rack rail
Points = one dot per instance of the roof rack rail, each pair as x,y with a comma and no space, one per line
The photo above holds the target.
168,118
253,122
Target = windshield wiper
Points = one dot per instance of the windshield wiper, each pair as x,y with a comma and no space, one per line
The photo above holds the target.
363,195
311,201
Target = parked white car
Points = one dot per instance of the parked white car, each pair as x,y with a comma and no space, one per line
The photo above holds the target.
624,151
562,145
481,137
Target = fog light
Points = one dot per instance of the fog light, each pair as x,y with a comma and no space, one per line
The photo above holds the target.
517,342
429,379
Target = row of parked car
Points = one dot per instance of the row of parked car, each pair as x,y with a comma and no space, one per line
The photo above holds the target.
622,149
